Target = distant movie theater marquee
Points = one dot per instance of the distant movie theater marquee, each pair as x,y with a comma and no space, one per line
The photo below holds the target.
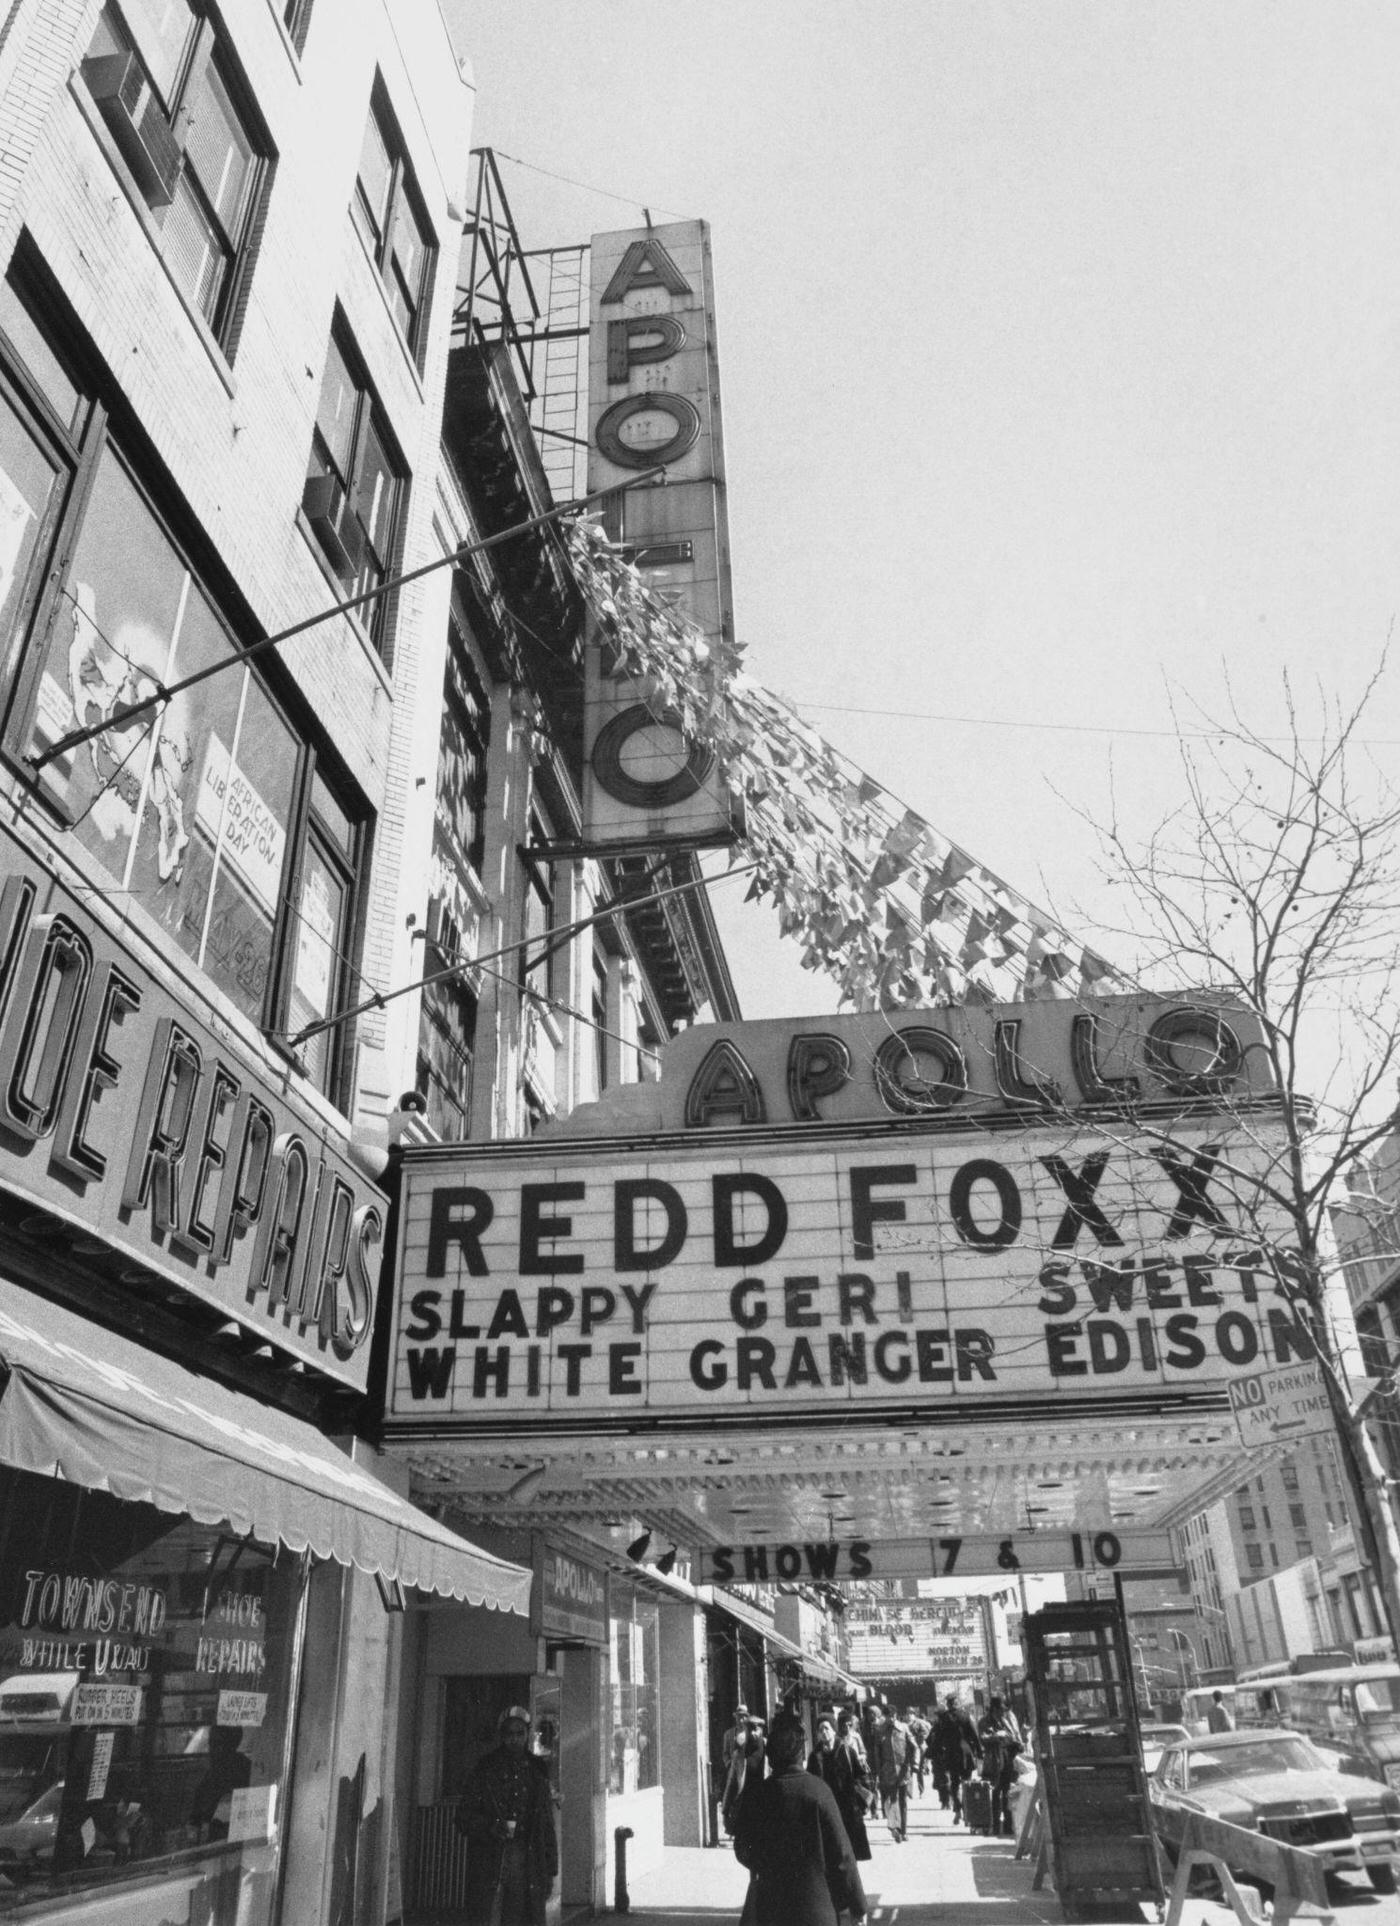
939,1638
654,406
860,1216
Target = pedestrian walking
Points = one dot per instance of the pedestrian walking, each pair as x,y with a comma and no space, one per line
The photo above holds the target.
746,1765
956,1751
920,1730
848,1733
507,1816
1219,1717
738,1730
846,1774
802,1867
890,1755
1000,1733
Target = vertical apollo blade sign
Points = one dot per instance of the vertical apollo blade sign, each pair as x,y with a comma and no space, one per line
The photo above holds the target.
653,402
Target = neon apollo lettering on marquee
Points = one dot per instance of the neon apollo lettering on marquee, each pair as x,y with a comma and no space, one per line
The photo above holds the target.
147,1119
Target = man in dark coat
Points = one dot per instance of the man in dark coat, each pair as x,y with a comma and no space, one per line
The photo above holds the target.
507,1815
1000,1733
845,1772
956,1749
790,1836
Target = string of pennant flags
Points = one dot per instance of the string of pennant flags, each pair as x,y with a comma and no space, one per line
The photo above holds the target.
875,896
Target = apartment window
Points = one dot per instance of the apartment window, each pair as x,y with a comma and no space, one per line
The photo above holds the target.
1254,1557
1264,1514
212,812
1297,1517
1305,1548
446,1044
1289,1475
296,18
600,1019
355,483
388,210
541,966
1247,1517
650,1043
165,84
462,752
1273,1554
324,901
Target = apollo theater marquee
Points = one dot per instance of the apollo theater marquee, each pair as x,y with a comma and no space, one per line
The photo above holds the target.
862,1221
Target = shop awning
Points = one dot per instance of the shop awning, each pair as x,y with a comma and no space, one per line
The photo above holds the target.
822,1671
84,1404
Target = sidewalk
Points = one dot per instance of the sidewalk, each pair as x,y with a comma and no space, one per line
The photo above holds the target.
942,1876
942,1873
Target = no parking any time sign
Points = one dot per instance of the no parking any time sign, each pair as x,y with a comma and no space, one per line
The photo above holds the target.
1276,1406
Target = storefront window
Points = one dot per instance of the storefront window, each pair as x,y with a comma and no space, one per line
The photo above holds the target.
145,1685
210,809
635,1643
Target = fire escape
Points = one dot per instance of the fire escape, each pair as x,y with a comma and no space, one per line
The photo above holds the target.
535,302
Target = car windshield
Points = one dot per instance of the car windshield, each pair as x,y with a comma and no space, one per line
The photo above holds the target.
1285,1754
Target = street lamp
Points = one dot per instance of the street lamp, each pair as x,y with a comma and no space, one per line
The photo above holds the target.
1136,1644
1186,1658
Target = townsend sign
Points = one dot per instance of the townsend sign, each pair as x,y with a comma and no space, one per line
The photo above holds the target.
718,1275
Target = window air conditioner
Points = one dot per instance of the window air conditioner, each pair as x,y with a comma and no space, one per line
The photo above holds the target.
136,123
327,508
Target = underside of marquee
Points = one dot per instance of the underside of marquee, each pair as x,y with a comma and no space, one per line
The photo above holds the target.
836,1484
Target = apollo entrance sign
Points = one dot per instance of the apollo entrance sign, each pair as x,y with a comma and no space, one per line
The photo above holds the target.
1048,1210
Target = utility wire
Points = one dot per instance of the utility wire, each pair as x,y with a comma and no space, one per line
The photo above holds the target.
626,200
163,695
619,907
1073,728
464,963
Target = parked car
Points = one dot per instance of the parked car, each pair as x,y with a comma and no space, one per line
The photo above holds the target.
1276,1782
1156,1739
27,1843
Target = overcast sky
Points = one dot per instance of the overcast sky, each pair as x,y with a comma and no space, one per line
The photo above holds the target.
1059,353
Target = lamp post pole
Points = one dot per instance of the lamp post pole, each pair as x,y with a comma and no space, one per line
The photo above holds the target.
1185,1659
